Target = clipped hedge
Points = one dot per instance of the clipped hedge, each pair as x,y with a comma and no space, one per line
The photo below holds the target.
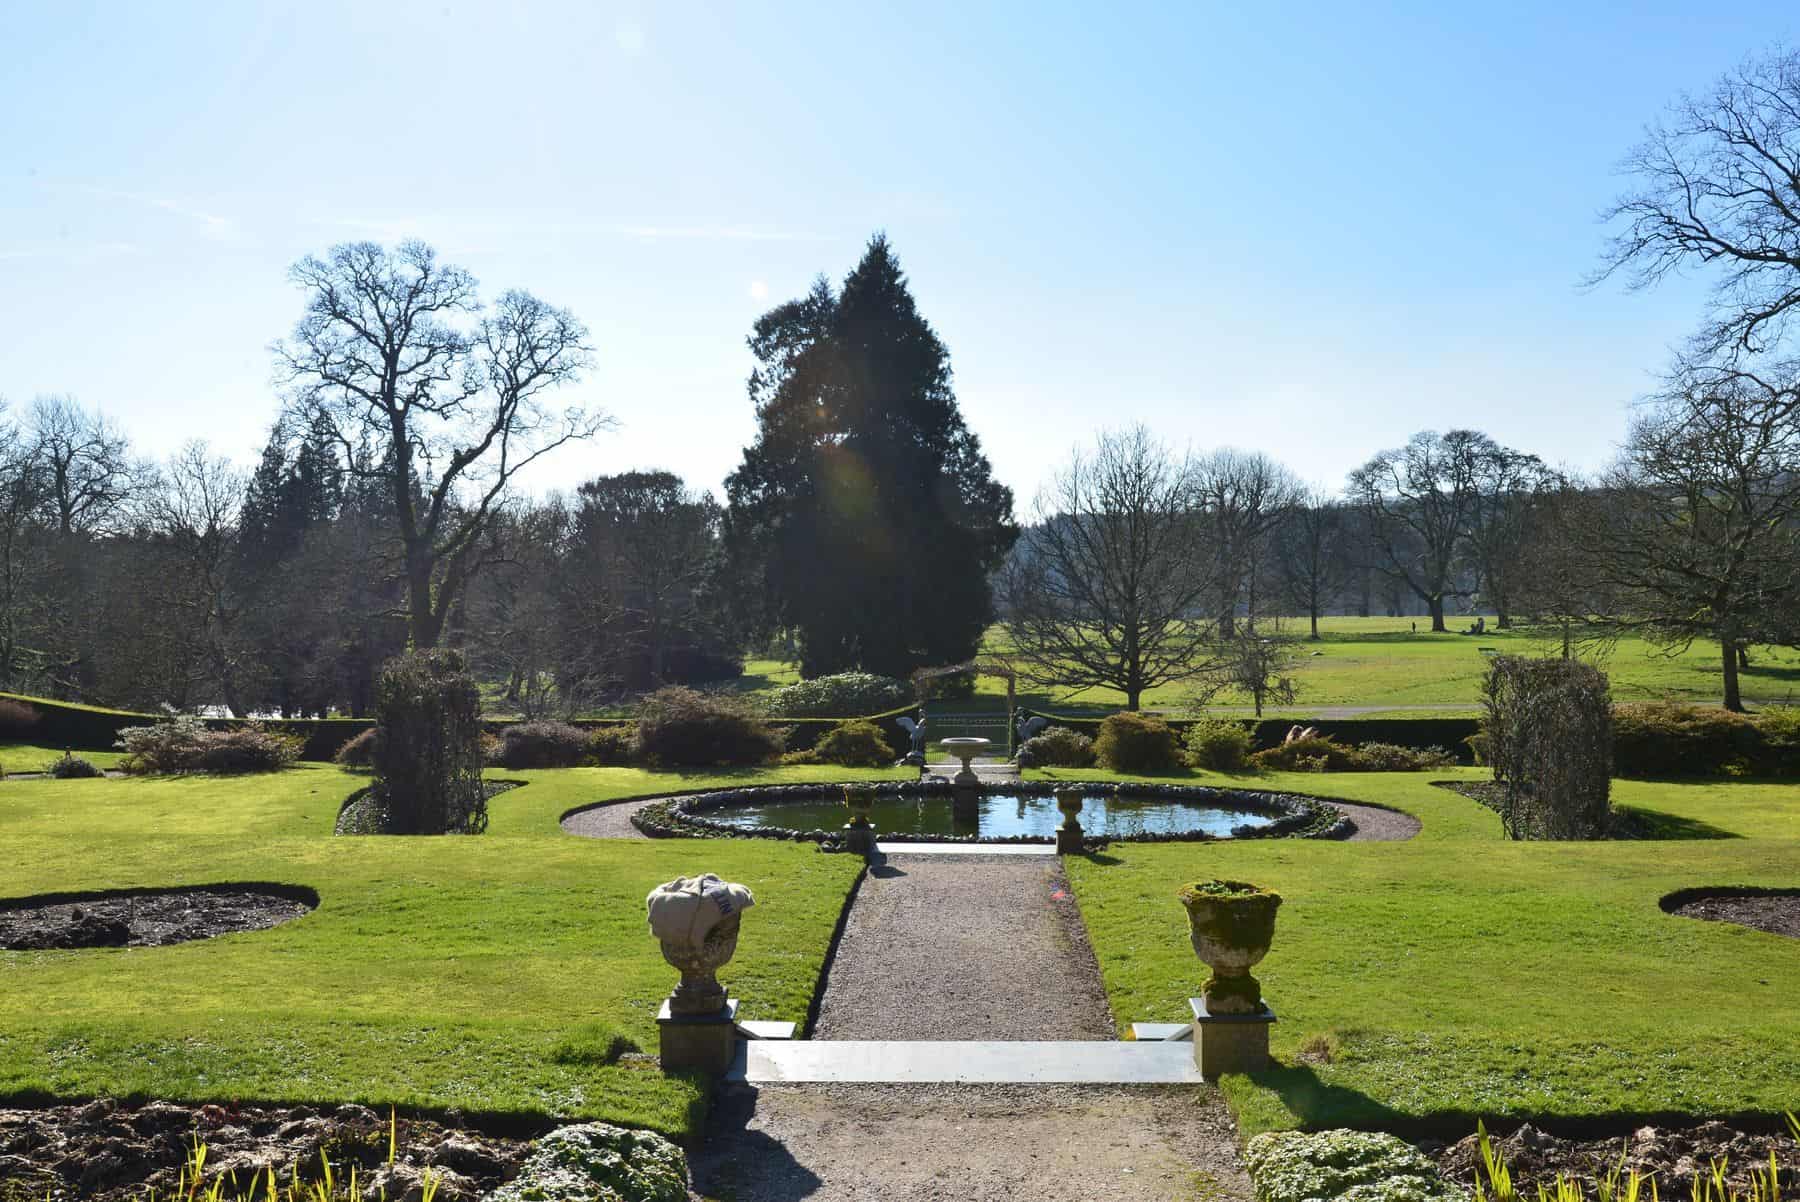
1420,734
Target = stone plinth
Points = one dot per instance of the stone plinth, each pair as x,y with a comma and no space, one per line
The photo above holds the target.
707,1042
859,839
1230,1043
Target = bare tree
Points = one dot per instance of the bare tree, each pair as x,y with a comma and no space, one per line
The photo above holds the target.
1691,535
1310,548
1719,186
1417,502
1256,665
84,461
1512,491
1244,495
446,409
1113,585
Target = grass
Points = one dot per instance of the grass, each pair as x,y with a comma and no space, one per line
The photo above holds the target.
1384,663
35,757
436,973
1460,976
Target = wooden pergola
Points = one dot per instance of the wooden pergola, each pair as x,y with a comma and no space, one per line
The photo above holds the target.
981,666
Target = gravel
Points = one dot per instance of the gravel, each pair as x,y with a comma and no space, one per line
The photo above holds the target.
906,1143
964,947
611,821
1376,824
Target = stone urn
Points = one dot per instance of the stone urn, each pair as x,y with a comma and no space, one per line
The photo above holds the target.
1069,835
696,920
965,749
1231,924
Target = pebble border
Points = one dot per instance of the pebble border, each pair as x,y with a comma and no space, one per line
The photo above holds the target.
1297,816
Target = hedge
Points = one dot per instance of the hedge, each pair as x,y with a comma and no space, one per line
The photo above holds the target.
1416,733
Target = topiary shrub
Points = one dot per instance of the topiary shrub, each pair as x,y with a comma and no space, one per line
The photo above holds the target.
72,767
681,727
1136,743
359,752
16,718
1056,747
428,759
853,744
1550,739
1218,744
1664,739
613,746
543,745
843,695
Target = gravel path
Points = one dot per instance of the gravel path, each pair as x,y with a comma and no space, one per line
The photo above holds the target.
994,1143
964,947
611,821
1377,825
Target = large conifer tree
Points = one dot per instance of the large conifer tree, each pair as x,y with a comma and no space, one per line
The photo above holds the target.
865,507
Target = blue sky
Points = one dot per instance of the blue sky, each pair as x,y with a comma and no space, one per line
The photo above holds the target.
1309,229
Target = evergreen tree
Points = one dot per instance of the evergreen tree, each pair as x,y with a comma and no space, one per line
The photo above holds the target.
865,508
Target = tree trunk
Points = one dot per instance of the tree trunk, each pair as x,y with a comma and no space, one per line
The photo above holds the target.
1728,660
1314,615
1131,699
1437,614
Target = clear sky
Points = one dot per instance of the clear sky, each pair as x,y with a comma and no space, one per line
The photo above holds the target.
1306,228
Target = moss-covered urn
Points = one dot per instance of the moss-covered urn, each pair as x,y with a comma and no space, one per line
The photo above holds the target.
860,801
1231,924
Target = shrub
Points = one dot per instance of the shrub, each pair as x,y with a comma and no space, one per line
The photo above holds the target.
1219,744
1391,757
1778,732
16,718
844,695
248,749
543,745
72,767
1308,753
359,752
854,744
1550,739
613,746
1056,747
428,759
172,745
1664,739
1292,1166
1133,742
678,726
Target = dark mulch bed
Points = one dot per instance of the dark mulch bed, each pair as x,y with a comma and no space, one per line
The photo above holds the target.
113,1152
143,919
1675,1154
1777,912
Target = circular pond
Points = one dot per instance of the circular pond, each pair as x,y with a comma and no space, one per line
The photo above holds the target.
1018,812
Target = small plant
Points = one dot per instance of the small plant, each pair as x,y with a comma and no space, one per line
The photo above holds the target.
72,767
1056,747
359,752
1218,744
681,727
543,745
1494,1180
328,1186
1137,743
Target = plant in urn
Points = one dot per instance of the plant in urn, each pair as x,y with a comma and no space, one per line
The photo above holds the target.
1231,924
696,921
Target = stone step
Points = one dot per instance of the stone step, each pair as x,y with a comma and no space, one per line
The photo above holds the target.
887,848
763,1029
1168,1032
1012,1062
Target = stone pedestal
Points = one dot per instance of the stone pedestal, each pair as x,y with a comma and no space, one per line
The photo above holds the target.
707,1042
859,839
1069,834
1069,842
1230,1043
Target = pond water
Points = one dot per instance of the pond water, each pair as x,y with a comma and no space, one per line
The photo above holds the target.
1000,815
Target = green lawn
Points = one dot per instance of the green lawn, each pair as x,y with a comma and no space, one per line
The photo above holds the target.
1383,662
1460,976
34,757
489,974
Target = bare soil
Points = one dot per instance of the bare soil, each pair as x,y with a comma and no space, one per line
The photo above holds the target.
1776,913
988,1143
1674,1154
112,1152
142,920
964,947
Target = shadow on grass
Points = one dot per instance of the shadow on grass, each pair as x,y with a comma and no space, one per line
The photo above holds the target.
1654,824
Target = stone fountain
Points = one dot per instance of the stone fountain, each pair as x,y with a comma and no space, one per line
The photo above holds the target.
965,786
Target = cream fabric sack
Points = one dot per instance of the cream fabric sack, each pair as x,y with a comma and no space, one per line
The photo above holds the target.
687,908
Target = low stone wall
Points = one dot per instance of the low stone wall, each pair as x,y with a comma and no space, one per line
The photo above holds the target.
1296,815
